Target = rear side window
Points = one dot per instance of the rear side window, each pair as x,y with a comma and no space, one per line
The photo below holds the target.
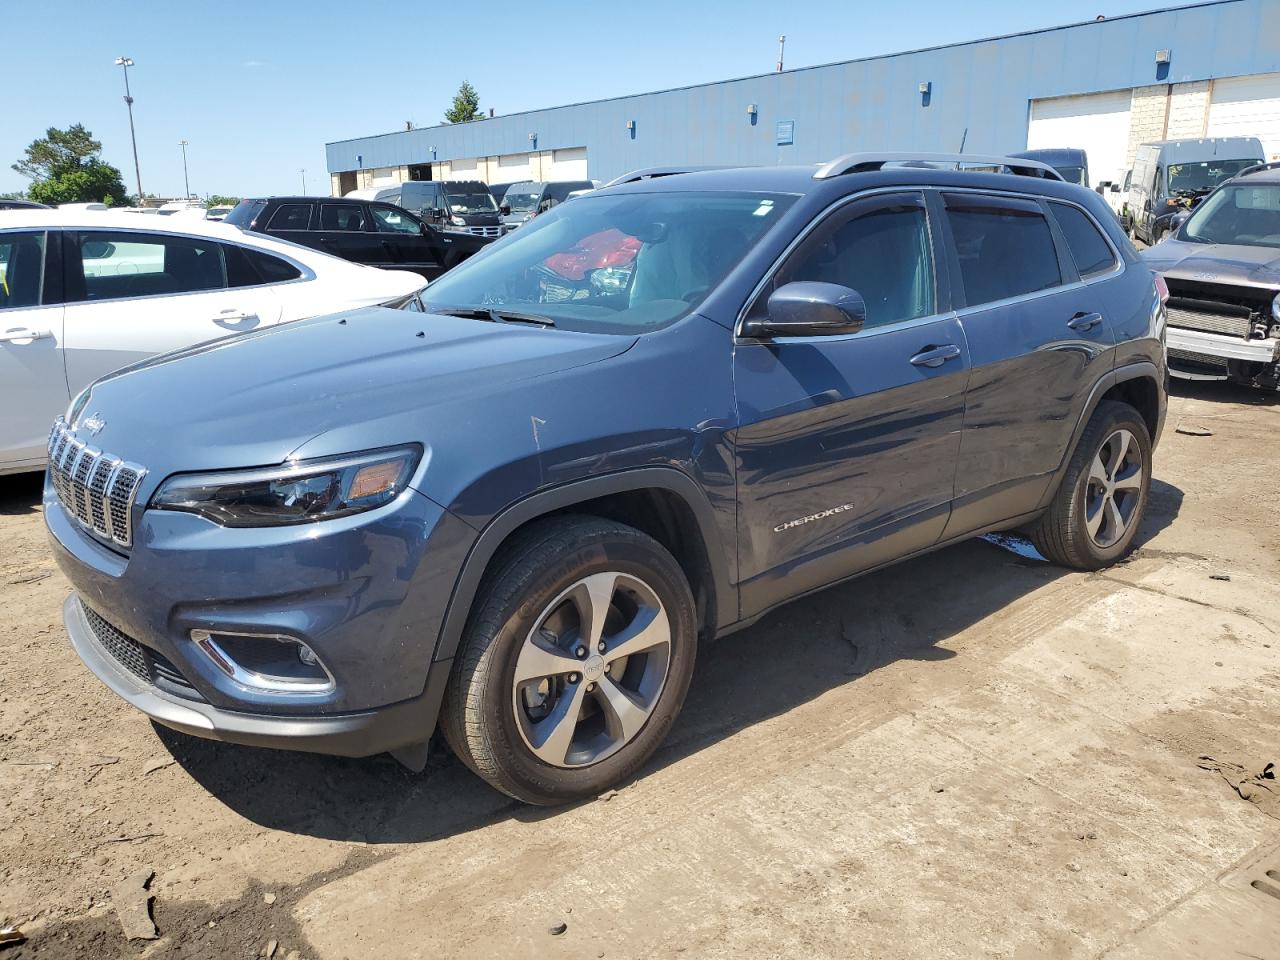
252,268
21,269
1004,247
347,217
119,265
1088,248
290,216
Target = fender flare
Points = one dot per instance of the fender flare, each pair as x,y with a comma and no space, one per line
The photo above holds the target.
1130,371
496,531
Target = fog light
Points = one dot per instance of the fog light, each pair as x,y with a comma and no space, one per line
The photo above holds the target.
266,662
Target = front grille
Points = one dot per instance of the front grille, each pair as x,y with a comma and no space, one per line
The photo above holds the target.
95,488
485,231
146,664
1207,322
129,653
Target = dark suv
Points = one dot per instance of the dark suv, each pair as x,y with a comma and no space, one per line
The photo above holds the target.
375,234
520,512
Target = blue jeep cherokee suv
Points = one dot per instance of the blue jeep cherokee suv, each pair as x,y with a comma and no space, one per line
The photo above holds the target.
638,423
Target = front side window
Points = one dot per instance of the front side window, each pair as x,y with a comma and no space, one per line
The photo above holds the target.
883,253
391,220
291,216
1004,247
21,269
1088,248
522,199
1245,214
125,264
622,263
345,217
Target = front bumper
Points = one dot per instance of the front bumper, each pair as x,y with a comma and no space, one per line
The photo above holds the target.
1220,345
359,734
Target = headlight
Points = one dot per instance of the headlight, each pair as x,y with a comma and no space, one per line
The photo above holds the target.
457,221
300,492
1275,308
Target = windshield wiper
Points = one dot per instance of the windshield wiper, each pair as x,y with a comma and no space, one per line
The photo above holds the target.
494,315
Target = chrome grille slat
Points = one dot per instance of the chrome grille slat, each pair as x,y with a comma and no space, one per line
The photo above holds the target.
95,488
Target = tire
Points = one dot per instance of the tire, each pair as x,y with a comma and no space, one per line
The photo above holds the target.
531,617
1071,533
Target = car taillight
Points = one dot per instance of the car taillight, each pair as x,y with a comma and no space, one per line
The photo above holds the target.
1162,288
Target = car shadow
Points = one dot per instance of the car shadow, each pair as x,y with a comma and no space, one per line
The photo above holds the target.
20,493
1222,391
839,636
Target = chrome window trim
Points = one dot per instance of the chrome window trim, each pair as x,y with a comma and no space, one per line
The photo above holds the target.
307,274
1119,267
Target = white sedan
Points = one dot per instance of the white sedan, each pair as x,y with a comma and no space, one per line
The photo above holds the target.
82,294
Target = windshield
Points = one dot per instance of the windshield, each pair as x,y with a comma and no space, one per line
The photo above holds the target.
1248,215
466,200
1072,174
1203,176
521,200
625,263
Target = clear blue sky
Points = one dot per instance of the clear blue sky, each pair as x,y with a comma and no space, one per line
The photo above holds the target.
258,88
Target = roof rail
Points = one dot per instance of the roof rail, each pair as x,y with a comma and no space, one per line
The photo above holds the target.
1259,167
652,173
866,162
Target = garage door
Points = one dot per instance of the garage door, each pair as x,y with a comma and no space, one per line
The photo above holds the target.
1097,123
513,167
1248,107
467,169
569,164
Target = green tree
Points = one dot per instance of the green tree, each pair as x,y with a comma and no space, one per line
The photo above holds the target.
466,105
218,200
65,166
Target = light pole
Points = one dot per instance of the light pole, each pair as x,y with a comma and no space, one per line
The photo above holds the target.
186,185
126,63
303,171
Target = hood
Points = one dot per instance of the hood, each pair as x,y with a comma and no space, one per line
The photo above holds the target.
1216,263
255,398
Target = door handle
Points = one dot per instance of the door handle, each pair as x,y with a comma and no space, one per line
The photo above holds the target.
236,319
19,334
1084,321
936,356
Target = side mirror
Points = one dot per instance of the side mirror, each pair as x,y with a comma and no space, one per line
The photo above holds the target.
808,308
440,213
505,210
1115,188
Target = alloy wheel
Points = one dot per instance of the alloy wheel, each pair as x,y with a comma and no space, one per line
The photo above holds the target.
1114,488
592,669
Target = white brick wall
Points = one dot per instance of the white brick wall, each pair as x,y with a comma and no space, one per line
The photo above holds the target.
1188,110
1148,113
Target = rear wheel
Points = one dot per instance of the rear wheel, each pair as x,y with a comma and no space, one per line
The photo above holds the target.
575,662
1096,512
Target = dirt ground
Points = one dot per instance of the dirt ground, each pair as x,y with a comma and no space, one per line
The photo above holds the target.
970,754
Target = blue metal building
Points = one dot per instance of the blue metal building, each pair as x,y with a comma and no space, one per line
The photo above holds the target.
1200,70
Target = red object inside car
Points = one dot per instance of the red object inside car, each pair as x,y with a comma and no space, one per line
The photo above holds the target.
608,248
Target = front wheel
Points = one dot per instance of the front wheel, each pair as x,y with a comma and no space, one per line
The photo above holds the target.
575,662
1095,514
